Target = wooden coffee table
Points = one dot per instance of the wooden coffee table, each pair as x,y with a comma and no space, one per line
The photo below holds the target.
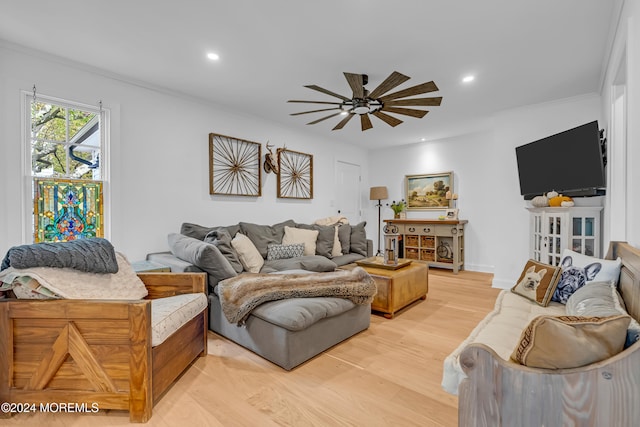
397,288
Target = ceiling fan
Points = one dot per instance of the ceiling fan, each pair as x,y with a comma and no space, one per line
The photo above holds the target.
376,103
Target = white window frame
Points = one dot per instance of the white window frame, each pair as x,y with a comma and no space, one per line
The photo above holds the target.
27,177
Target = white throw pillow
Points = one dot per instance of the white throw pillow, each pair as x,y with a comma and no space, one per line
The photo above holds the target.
298,235
249,256
610,270
337,247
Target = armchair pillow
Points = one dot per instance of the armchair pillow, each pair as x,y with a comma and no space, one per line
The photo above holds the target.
585,340
262,235
358,243
601,299
579,269
325,239
203,255
337,247
537,282
298,235
248,253
344,235
275,252
199,232
221,239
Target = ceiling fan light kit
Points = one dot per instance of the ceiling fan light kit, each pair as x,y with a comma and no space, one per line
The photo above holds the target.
376,103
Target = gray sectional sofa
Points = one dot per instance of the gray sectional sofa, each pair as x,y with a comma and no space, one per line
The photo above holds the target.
286,332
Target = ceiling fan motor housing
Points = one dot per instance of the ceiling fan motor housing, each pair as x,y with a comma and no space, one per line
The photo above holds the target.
379,103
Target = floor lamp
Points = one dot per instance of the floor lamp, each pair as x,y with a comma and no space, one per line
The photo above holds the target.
379,194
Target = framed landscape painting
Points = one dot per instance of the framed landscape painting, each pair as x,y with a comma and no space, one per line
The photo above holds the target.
428,191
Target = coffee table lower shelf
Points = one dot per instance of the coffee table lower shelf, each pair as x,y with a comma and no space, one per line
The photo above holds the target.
398,288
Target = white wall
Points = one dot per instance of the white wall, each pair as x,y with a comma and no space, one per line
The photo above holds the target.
486,179
624,65
159,156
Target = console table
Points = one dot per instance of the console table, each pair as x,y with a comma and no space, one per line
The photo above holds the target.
440,243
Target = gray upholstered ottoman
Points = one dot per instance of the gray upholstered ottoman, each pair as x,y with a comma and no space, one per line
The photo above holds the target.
292,331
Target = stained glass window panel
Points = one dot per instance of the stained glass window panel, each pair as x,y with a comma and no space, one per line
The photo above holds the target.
66,210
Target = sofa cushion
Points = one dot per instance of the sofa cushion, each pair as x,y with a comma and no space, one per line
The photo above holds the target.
171,313
315,263
297,314
201,254
579,269
344,234
262,235
325,239
585,340
275,251
537,282
250,258
358,237
199,232
298,235
221,239
601,299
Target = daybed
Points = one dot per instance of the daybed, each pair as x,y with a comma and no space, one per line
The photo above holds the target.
494,390
286,332
101,354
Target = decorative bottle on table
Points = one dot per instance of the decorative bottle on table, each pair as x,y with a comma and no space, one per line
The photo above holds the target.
391,244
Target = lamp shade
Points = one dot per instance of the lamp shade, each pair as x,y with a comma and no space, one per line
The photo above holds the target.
378,193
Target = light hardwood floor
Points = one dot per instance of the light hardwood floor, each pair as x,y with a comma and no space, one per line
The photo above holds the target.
388,375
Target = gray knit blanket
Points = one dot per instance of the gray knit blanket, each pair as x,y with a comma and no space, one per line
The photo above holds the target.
241,294
94,255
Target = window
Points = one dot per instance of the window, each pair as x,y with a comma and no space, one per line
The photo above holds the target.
65,148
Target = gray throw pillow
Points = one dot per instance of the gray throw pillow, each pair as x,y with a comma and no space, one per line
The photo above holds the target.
203,255
358,239
344,235
263,235
199,232
601,299
222,240
326,235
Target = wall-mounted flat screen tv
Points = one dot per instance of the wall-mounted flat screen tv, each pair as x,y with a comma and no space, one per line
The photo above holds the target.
570,162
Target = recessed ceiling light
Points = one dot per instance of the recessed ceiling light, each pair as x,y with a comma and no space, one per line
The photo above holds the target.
467,79
423,139
213,56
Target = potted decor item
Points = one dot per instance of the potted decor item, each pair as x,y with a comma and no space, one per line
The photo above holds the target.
398,209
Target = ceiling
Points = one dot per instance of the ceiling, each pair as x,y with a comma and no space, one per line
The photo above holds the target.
521,52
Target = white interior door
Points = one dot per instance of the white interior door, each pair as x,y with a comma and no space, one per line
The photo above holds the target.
348,191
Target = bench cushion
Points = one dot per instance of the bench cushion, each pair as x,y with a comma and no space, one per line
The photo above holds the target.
500,330
171,313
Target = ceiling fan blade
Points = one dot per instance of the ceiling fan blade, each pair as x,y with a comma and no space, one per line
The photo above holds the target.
328,92
315,102
406,111
415,102
343,121
390,120
314,111
356,83
413,90
395,79
323,118
365,121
